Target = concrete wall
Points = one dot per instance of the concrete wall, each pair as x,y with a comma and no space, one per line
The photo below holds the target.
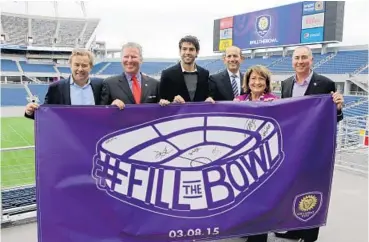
12,111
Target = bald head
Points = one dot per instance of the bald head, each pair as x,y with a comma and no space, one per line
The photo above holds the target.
233,49
233,59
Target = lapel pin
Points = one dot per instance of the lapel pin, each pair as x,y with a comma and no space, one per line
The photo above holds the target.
145,85
314,83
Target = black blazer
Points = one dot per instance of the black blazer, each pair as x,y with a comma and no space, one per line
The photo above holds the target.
59,93
172,83
221,87
117,87
318,85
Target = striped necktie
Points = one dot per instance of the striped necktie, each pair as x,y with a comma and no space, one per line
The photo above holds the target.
234,86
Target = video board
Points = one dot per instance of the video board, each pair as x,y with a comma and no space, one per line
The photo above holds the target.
293,24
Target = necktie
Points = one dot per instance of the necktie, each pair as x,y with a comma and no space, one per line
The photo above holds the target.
234,86
136,90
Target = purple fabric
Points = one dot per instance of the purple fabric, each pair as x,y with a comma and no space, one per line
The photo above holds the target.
183,172
263,97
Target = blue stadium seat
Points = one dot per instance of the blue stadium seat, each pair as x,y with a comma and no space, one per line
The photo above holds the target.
345,62
13,95
63,69
27,67
150,68
9,65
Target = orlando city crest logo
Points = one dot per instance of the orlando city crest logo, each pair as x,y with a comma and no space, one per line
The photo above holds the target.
307,205
319,5
190,165
263,24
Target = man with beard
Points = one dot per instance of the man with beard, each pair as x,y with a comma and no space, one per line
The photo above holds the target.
226,85
186,81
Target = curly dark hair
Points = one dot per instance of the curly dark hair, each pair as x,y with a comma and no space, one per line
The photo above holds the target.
190,39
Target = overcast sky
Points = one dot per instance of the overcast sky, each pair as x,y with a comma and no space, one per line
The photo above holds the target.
159,24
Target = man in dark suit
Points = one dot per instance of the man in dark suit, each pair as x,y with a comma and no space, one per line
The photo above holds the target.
227,84
78,89
131,87
306,82
186,81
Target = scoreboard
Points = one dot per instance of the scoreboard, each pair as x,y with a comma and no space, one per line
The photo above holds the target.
294,24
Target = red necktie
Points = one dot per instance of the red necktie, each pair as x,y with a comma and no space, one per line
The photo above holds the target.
136,90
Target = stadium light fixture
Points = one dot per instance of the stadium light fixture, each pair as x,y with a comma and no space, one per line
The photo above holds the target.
30,40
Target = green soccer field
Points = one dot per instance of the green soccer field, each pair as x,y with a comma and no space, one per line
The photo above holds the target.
17,165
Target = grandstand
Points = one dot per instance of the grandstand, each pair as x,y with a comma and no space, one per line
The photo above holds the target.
35,50
22,30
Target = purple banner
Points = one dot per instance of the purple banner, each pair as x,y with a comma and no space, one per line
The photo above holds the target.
269,27
183,172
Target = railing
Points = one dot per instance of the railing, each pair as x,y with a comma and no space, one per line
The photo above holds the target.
324,60
352,153
103,68
359,70
276,61
358,93
34,79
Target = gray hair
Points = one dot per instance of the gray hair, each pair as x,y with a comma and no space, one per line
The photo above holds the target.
310,53
132,45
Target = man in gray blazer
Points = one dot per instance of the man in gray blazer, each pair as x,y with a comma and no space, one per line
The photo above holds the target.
132,86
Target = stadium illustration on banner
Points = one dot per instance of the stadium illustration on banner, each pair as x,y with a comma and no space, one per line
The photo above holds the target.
299,23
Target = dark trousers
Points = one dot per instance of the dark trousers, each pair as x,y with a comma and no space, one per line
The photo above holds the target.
258,238
308,235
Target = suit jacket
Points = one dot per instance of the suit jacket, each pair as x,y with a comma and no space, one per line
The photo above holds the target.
172,83
221,87
59,93
318,85
117,87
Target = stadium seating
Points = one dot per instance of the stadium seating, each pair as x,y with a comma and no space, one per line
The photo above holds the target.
27,67
150,68
13,95
9,65
345,62
69,32
43,31
360,109
18,198
16,28
64,69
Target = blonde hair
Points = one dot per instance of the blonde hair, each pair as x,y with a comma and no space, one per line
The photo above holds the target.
262,71
82,52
